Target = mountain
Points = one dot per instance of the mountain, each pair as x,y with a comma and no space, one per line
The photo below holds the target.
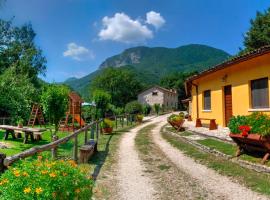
153,63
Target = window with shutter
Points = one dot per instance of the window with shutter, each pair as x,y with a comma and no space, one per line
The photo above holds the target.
259,93
207,100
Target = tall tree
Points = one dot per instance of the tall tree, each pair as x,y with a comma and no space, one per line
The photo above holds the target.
122,84
259,33
177,81
17,49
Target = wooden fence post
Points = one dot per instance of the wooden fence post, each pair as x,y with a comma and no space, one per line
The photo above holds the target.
85,136
92,132
75,150
54,149
127,119
115,118
2,166
122,120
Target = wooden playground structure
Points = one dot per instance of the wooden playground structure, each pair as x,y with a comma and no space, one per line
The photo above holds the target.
74,113
36,116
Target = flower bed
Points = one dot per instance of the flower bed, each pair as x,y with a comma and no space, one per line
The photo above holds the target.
139,118
251,133
45,179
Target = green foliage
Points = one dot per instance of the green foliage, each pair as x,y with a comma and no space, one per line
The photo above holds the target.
102,100
17,94
259,123
54,100
154,63
18,50
146,109
259,33
43,179
181,114
175,118
116,110
157,108
176,81
139,118
106,123
120,83
133,107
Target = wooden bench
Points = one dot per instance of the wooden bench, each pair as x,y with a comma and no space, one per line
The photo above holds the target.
34,133
87,150
212,126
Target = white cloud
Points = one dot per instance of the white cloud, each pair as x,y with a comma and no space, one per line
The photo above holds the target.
77,52
155,19
122,28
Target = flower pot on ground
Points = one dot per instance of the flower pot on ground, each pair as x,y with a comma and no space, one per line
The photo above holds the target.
107,126
176,121
20,122
251,134
139,118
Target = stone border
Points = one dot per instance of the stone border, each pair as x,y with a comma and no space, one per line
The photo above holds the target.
242,163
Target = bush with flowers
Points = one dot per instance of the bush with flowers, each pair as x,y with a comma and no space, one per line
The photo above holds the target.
257,123
45,179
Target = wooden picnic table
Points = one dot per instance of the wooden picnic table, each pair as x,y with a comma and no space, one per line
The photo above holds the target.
26,130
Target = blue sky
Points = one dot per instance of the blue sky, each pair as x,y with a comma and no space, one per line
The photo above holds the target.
77,35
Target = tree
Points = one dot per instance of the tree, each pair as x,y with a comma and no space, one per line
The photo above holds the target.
157,108
17,94
102,100
133,107
259,33
18,50
122,84
177,81
54,100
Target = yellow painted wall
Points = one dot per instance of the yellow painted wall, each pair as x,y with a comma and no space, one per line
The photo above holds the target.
239,76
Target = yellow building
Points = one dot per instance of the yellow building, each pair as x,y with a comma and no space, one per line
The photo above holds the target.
236,87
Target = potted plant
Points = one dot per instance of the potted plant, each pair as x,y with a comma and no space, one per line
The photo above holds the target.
176,121
251,133
20,122
107,126
139,118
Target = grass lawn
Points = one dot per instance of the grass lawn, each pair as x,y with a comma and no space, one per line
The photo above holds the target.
259,182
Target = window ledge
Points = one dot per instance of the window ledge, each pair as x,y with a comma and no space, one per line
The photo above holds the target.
259,110
206,110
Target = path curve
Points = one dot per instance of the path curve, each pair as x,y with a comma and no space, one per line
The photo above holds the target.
218,185
133,183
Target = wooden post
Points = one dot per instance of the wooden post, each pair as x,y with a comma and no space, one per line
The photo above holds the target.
92,132
122,121
54,149
2,166
75,150
127,119
115,118
85,136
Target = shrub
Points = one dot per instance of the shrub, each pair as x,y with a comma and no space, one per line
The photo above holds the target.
181,114
133,107
45,179
175,118
259,123
139,118
107,123
146,109
157,108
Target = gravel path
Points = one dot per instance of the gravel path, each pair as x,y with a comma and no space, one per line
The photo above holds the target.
133,183
220,186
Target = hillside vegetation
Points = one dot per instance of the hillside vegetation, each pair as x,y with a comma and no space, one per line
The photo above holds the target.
151,64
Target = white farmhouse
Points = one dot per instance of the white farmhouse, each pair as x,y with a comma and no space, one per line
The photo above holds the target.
159,95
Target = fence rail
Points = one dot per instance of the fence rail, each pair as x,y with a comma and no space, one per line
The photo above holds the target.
93,130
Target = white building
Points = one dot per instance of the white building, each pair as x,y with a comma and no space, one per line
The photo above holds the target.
159,95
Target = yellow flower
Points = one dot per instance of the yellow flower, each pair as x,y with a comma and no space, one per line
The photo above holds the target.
77,191
72,163
16,173
25,174
27,190
5,181
40,158
64,174
39,190
1,183
53,175
44,171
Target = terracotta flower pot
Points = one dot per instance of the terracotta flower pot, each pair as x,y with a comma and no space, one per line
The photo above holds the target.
107,130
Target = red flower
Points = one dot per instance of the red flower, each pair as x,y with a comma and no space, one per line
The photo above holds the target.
244,129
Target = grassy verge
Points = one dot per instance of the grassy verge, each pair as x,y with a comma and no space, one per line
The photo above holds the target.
143,141
256,181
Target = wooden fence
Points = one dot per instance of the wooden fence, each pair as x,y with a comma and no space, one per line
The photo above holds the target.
91,131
